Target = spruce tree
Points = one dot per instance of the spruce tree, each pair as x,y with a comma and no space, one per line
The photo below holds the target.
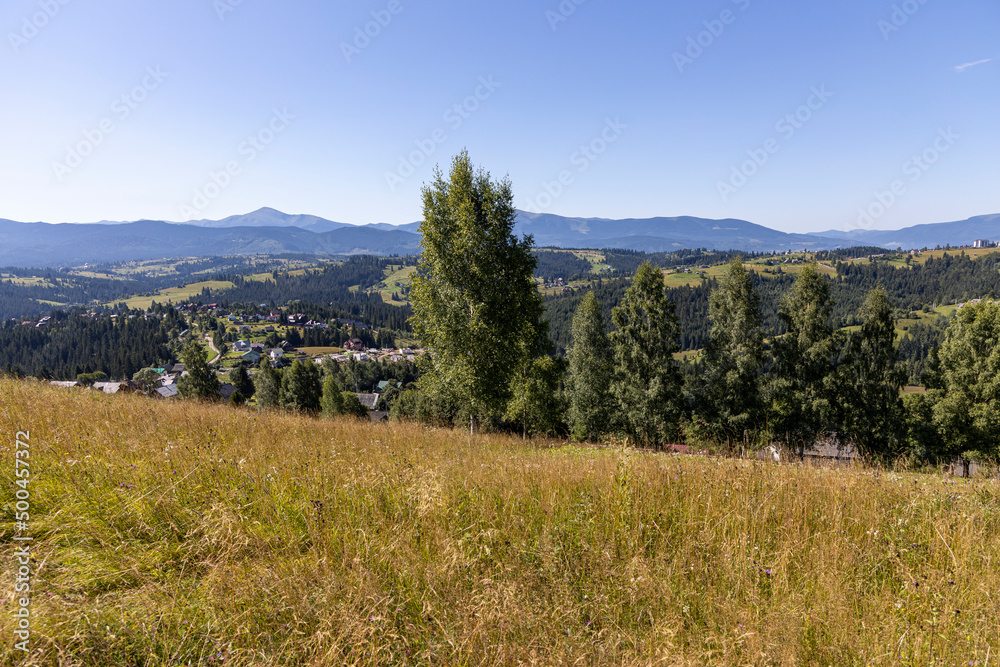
805,385
239,378
200,381
873,409
730,388
591,368
647,384
332,401
267,385
301,388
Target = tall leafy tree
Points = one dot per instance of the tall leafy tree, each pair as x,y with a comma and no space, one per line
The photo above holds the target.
352,405
200,381
301,388
730,396
537,400
968,413
474,297
147,379
922,440
648,382
873,411
591,368
267,385
805,361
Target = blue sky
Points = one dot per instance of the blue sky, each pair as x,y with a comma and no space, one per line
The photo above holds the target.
802,116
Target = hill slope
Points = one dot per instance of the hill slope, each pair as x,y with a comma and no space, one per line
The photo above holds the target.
171,532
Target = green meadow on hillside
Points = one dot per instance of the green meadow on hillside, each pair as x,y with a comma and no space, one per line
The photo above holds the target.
176,533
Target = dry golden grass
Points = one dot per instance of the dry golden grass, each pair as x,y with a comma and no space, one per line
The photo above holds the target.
184,534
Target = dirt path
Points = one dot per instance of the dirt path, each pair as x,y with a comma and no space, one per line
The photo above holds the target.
211,346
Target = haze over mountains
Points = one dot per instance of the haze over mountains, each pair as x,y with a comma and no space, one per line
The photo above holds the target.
268,231
963,232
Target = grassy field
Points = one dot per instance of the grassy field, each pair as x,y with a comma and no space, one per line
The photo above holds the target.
317,351
598,261
169,267
922,257
26,281
171,533
674,278
176,294
395,279
269,275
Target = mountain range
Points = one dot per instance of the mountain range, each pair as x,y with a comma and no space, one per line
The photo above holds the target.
271,232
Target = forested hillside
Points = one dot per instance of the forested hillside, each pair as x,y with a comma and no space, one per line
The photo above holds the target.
951,279
343,289
26,292
71,344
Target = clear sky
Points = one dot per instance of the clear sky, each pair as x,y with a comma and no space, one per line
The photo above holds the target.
796,115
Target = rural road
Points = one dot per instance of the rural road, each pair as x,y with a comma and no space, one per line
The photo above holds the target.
211,346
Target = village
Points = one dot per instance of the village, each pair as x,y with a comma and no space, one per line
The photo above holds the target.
247,338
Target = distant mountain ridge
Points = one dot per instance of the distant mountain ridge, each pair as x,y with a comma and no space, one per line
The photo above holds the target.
42,245
663,234
269,217
962,232
269,231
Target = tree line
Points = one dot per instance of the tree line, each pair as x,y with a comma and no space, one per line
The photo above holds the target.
946,280
329,389
490,363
